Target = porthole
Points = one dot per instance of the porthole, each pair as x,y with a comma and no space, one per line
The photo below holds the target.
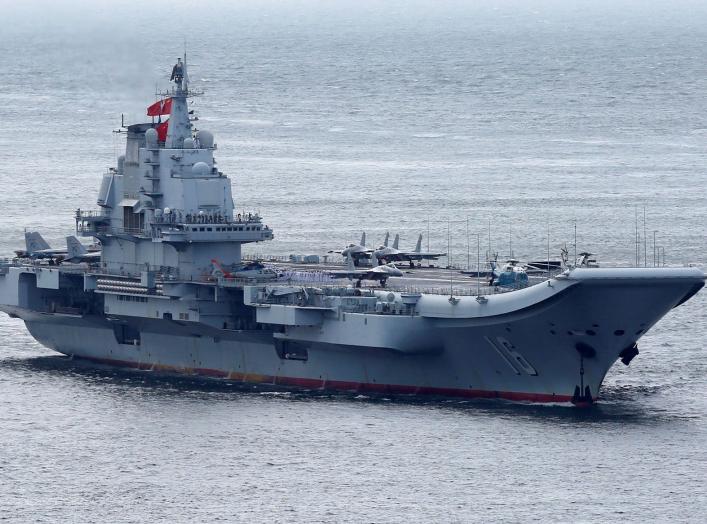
619,332
591,332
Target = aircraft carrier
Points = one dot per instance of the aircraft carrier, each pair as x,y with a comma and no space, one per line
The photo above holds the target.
168,291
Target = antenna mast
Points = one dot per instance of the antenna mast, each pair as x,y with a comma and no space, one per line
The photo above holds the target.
548,247
488,255
645,240
510,240
636,239
575,242
428,234
478,264
449,259
654,262
468,248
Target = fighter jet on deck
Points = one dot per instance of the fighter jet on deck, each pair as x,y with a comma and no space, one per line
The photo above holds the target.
356,251
380,273
393,254
76,252
384,250
38,248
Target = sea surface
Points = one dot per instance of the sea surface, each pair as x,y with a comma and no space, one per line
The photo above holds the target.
519,118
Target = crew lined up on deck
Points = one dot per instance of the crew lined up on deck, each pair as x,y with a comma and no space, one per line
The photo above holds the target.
177,217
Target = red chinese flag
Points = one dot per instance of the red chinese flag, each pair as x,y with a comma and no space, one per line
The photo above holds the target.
162,131
161,107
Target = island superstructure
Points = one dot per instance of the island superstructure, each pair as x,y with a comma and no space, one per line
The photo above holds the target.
171,293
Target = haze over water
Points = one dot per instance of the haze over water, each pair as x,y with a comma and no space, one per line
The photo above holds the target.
337,117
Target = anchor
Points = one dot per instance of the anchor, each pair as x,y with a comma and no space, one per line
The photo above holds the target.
628,354
582,396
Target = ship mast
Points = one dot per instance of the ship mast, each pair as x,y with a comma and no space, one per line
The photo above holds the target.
179,125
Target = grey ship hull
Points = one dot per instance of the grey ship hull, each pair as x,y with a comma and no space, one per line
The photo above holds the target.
531,353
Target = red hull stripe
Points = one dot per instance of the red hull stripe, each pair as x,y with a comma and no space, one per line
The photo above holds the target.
338,385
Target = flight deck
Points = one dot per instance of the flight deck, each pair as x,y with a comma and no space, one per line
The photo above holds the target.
419,279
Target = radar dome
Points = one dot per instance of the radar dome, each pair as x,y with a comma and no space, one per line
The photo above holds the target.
206,139
151,138
200,169
188,143
167,211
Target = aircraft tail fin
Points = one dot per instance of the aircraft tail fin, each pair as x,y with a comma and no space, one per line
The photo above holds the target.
418,247
363,238
34,242
74,248
396,241
385,241
374,260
